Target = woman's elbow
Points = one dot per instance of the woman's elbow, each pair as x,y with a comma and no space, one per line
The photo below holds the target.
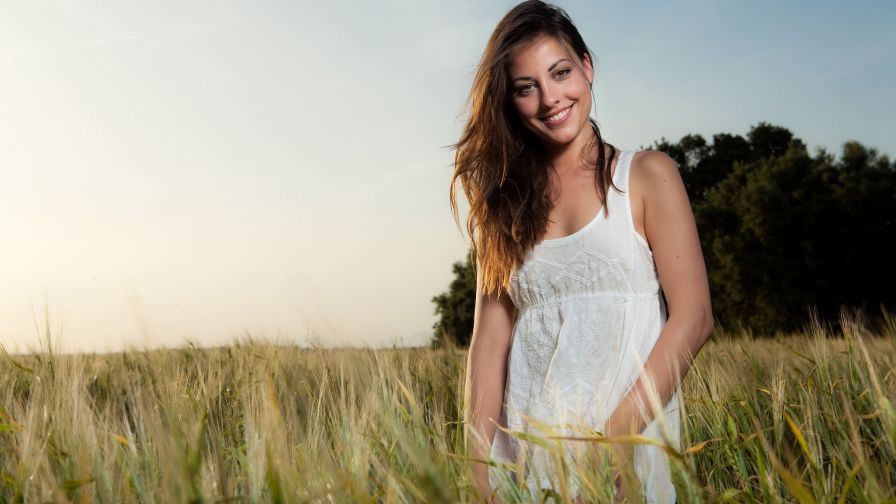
708,325
698,325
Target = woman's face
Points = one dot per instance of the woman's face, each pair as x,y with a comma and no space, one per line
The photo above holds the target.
551,90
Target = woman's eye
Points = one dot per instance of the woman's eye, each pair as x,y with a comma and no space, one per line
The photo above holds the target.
524,90
563,73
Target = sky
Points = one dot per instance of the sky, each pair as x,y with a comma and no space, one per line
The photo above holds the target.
205,172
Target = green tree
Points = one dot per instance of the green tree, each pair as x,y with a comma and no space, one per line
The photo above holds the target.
455,307
786,232
753,231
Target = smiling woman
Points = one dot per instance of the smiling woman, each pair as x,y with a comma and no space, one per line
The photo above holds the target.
585,320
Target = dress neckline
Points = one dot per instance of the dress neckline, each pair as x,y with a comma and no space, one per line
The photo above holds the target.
597,218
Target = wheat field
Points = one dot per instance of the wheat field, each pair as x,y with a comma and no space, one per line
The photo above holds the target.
797,418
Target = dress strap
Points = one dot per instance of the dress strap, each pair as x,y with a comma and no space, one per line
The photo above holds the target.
621,202
623,167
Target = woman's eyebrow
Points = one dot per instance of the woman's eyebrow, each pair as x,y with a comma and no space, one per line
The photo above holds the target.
526,77
557,63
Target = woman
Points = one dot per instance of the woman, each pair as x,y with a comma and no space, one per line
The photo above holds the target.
577,246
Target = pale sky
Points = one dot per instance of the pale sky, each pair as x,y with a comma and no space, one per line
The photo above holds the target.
203,171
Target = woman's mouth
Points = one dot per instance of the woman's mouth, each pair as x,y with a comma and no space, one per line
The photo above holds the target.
558,118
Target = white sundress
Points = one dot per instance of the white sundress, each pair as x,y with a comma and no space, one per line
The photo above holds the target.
590,309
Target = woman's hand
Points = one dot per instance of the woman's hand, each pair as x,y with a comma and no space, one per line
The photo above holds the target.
617,484
617,457
623,455
480,481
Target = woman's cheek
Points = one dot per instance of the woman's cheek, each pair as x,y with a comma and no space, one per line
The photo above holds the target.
526,106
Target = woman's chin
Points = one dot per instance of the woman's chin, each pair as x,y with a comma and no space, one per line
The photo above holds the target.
557,140
560,139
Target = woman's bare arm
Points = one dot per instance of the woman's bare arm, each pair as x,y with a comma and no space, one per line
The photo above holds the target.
672,234
486,375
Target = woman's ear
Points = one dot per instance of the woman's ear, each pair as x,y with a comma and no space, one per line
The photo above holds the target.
589,69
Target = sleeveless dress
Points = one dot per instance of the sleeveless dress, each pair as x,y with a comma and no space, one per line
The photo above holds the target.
590,309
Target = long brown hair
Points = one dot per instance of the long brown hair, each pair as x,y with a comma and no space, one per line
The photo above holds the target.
500,163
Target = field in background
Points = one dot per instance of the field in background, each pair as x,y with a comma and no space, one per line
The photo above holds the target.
800,418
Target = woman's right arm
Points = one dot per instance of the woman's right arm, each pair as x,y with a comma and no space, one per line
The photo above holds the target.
486,375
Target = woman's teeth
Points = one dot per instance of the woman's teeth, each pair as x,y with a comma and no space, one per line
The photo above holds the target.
559,115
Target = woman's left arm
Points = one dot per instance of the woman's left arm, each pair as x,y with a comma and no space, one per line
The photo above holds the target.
672,234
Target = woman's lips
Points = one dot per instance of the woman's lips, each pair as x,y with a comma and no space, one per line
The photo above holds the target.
558,118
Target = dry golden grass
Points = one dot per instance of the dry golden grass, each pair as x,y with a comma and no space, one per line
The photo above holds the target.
804,418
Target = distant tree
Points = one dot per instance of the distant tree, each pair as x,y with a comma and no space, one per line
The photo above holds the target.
785,233
455,307
753,228
768,141
704,165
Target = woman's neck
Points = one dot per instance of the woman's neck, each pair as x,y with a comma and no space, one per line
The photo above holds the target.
581,151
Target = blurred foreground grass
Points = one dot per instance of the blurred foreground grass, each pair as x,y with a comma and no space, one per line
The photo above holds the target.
800,418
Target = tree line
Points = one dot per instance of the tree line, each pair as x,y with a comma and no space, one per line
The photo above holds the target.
785,233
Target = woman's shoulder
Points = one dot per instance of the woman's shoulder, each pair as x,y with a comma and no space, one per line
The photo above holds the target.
654,177
653,168
653,161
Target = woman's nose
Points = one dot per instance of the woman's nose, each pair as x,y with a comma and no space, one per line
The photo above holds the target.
549,95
